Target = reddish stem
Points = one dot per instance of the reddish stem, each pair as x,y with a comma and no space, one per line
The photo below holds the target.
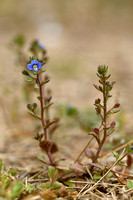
104,120
42,107
42,118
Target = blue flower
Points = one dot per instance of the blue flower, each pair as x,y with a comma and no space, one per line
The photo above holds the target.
131,148
34,65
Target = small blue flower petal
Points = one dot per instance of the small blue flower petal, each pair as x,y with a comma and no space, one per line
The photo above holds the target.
30,67
34,62
39,65
132,148
34,65
35,69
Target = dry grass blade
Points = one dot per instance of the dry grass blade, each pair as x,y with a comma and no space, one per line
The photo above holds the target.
117,149
91,188
100,193
128,191
83,150
97,197
113,196
89,173
123,174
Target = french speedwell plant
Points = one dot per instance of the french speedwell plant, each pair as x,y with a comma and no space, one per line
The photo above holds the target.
35,74
102,110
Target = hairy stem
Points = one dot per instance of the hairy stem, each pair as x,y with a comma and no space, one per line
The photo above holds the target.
50,158
42,107
104,120
42,101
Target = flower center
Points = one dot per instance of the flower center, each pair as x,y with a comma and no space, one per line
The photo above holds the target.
34,66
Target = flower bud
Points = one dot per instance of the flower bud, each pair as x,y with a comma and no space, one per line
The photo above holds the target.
96,130
117,105
97,101
102,69
112,124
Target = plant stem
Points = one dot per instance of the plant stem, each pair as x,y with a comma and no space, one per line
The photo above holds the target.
42,118
42,107
50,158
104,120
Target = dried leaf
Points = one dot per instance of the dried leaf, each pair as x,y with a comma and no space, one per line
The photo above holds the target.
129,160
48,195
78,168
90,153
48,146
62,191
121,180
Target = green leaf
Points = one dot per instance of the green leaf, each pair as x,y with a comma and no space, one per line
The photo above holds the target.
42,71
99,105
5,176
39,98
29,79
43,83
56,185
32,107
33,115
17,189
48,105
13,172
53,172
36,86
29,188
46,185
35,73
97,176
42,157
122,163
100,117
110,131
25,73
109,175
108,77
129,149
112,112
97,87
7,183
116,155
130,184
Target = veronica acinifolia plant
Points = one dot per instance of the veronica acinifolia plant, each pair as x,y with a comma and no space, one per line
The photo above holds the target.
106,128
35,75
